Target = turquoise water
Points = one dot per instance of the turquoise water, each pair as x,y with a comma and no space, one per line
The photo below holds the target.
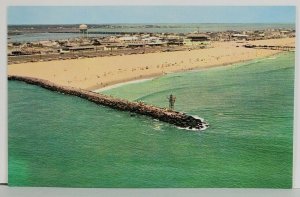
60,140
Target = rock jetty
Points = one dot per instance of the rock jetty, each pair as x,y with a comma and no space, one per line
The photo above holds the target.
173,117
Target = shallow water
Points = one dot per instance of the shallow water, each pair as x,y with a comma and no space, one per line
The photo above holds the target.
60,140
34,37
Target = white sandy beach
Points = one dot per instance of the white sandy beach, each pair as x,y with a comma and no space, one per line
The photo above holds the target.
99,72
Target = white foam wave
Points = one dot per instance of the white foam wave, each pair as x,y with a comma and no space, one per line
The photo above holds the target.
205,124
194,129
122,84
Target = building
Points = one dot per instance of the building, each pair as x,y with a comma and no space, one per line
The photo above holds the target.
196,39
240,36
174,40
113,46
128,39
136,44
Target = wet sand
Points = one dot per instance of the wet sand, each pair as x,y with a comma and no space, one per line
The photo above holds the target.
99,72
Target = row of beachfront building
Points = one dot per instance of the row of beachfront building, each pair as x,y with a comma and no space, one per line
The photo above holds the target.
141,40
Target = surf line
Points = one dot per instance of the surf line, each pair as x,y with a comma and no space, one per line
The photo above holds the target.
178,119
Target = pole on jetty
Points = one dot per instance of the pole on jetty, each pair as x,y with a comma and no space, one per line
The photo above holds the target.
171,102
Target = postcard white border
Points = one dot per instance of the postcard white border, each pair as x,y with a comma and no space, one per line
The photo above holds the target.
3,60
296,142
3,98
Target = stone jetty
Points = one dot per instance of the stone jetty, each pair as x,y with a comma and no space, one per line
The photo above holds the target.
173,117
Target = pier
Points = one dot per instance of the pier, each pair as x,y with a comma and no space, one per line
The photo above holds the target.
271,47
169,116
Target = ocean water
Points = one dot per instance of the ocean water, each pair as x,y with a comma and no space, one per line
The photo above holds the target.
192,27
34,37
61,140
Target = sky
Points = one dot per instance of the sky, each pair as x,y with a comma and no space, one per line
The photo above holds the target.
149,14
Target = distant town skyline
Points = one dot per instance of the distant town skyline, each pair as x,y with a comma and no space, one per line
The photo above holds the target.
20,15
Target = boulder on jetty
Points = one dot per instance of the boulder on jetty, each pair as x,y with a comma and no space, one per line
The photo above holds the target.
173,117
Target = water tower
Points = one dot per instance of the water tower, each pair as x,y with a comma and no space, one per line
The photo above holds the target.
83,30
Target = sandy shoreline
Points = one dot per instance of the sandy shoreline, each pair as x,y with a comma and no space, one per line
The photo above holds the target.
100,72
151,77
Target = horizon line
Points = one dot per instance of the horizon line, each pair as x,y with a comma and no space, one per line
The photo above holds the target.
154,23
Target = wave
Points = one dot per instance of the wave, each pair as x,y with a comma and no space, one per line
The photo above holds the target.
205,125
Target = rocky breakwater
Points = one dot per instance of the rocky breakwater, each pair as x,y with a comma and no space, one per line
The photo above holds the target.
173,117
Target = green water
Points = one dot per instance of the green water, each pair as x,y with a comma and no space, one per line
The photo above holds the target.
60,140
